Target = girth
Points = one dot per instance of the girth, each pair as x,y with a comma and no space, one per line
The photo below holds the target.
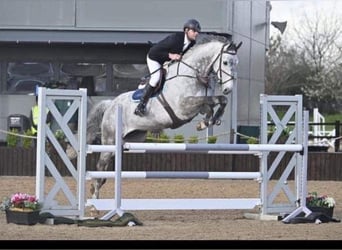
176,122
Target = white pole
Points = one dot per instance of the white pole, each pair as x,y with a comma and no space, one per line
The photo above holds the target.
118,162
182,147
173,174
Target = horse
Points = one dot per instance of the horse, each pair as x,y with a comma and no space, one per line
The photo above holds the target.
181,98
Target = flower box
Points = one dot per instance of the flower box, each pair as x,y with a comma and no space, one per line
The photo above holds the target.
23,217
324,201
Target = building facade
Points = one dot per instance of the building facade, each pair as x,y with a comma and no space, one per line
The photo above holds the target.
102,45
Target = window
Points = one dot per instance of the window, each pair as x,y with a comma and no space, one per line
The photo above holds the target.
25,76
128,76
85,75
98,78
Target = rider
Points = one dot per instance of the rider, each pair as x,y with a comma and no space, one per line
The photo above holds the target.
170,48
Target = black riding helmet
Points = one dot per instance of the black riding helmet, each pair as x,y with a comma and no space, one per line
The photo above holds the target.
192,24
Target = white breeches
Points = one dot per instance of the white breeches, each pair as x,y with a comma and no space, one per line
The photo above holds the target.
153,66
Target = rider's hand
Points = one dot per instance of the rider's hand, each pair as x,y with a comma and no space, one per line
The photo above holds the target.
175,57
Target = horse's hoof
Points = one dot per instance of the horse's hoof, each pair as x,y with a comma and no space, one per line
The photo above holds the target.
71,152
94,212
201,125
218,122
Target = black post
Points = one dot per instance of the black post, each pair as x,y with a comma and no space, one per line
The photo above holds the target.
337,135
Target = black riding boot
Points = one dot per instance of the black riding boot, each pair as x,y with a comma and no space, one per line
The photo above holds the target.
141,108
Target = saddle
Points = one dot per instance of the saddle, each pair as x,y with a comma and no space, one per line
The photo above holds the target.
144,80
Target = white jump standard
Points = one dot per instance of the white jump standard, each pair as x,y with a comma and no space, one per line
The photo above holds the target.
295,145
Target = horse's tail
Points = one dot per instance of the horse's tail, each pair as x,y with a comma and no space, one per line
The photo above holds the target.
94,121
93,126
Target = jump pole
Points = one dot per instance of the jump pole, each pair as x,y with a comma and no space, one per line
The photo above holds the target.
118,205
173,175
174,204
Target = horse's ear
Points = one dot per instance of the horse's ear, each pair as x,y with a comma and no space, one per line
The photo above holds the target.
239,45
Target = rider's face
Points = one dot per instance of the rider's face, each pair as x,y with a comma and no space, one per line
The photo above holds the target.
191,34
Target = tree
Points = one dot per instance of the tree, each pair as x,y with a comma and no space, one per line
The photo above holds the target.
319,41
285,75
309,63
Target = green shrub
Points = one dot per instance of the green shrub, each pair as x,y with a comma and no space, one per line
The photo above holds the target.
193,139
212,139
149,137
59,134
12,139
157,137
252,140
27,141
163,138
178,138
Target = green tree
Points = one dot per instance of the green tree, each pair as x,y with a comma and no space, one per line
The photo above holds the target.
308,61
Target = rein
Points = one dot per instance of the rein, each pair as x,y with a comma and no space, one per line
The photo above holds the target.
176,122
189,66
219,56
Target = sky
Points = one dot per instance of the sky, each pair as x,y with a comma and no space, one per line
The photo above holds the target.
293,11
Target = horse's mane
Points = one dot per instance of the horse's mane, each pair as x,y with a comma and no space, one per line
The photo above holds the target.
206,38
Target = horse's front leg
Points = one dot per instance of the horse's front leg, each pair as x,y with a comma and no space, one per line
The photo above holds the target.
222,101
209,111
205,104
208,107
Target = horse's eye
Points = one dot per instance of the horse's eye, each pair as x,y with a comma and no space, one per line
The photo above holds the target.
225,63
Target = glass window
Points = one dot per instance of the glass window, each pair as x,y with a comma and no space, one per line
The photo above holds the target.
97,78
127,76
25,76
85,75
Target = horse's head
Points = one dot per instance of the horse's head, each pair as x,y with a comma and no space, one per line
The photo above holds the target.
225,66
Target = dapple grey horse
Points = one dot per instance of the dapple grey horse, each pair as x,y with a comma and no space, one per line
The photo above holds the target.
182,97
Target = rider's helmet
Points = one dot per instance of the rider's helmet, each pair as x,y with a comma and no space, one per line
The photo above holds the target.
192,24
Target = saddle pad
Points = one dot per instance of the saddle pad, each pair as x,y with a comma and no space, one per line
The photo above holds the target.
139,92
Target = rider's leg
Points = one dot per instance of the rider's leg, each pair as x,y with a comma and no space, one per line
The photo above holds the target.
141,108
149,88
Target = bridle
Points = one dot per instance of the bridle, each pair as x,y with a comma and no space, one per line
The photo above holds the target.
220,56
220,70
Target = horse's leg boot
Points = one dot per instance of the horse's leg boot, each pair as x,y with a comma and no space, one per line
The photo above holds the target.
141,108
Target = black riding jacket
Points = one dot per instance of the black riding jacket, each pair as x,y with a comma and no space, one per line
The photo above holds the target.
171,44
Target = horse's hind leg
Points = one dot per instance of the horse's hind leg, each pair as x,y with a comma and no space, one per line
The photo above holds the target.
101,165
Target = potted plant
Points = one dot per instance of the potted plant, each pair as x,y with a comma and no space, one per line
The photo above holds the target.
21,208
178,138
324,203
212,139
